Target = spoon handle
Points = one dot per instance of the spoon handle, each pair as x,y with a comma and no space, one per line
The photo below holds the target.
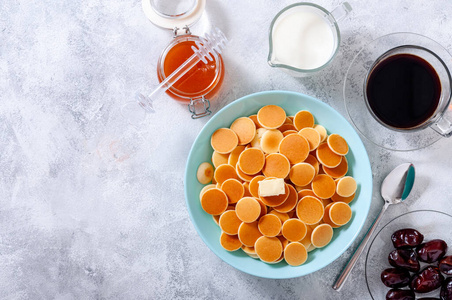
351,263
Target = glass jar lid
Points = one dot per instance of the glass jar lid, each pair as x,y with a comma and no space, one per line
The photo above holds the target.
173,14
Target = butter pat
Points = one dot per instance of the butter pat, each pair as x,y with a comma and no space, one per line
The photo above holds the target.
271,187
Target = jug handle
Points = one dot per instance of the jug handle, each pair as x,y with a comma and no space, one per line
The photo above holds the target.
341,11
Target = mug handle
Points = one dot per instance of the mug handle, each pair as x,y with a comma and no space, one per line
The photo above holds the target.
341,11
444,125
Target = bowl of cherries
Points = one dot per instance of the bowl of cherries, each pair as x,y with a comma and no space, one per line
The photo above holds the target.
411,258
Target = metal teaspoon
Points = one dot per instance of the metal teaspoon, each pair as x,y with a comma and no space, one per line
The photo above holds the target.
395,188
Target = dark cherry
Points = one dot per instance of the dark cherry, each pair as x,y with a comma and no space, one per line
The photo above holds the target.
446,289
395,294
405,238
429,279
429,298
395,277
405,259
431,251
445,265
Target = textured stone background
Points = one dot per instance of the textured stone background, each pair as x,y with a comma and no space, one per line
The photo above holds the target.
92,208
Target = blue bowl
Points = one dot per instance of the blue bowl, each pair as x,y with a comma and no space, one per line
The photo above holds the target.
359,168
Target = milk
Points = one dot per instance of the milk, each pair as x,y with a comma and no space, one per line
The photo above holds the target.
302,38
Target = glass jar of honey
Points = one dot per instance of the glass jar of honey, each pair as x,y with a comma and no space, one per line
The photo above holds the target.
203,81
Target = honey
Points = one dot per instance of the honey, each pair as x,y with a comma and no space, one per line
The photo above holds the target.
202,80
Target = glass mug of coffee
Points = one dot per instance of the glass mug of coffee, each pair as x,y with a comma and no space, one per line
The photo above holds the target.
397,91
409,88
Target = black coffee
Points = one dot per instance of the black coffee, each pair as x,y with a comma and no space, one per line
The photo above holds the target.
403,91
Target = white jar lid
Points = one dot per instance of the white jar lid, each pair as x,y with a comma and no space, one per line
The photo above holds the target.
171,14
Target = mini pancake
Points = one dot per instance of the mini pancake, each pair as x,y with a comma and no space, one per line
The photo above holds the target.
224,172
337,198
278,260
243,176
273,201
306,241
283,240
249,233
251,161
346,186
326,216
337,144
234,155
214,201
276,165
338,171
233,189
305,192
286,126
325,202
312,136
309,210
248,209
340,213
269,225
290,202
249,250
230,242
295,148
295,254
289,120
327,157
224,140
245,129
254,185
322,131
323,186
313,162
271,116
302,174
229,222
289,132
219,159
311,248
205,188
216,219
282,216
256,122
303,119
294,230
263,207
270,141
256,142
269,249
321,235
246,187
204,173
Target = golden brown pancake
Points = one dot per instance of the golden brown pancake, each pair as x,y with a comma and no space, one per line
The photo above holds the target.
276,165
295,254
245,129
224,140
337,144
303,119
310,210
295,148
214,201
271,116
248,209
